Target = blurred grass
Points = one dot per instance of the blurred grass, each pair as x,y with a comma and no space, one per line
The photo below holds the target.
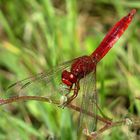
37,35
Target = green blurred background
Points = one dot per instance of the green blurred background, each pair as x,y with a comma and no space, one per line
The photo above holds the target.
36,35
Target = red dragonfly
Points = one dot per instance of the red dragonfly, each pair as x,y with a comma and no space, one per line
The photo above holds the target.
69,74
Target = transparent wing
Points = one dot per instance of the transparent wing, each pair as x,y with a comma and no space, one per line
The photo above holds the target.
42,87
88,103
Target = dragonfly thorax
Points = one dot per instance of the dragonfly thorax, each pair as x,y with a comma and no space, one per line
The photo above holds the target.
68,78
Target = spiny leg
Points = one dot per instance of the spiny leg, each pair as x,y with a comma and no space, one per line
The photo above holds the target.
75,93
64,98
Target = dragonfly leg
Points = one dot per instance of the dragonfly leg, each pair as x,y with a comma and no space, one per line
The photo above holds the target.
64,99
75,93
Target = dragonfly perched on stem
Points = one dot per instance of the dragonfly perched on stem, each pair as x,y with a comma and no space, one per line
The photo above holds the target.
69,74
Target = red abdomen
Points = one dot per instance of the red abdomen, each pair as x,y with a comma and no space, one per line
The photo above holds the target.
112,36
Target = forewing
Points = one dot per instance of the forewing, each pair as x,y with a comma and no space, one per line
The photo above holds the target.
88,103
42,86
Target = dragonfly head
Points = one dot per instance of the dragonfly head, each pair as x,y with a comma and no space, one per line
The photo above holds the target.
68,78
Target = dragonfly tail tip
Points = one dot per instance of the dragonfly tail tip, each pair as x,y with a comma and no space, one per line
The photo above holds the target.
133,11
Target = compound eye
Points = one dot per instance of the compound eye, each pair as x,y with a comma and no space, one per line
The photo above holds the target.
67,82
73,79
66,78
71,76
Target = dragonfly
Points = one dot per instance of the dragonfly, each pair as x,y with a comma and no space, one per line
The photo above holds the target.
62,84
